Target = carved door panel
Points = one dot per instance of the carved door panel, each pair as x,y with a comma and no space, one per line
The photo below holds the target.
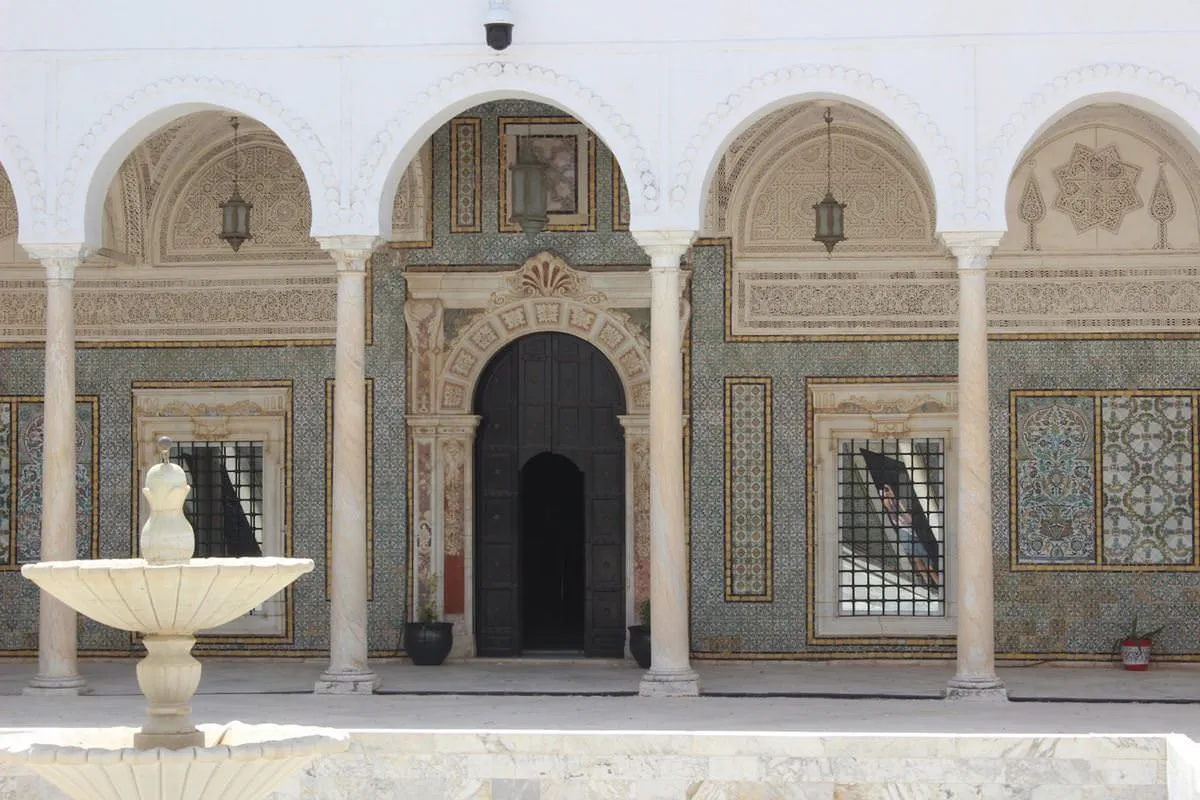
550,393
497,559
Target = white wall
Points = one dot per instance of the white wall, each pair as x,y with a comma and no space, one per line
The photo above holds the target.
355,88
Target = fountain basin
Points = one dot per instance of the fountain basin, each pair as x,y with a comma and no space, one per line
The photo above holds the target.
170,599
241,761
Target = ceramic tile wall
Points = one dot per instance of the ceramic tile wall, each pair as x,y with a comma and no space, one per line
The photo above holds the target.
1039,614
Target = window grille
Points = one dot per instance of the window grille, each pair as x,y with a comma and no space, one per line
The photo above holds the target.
891,527
225,506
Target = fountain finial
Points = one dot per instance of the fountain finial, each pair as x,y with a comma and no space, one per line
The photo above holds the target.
167,537
164,448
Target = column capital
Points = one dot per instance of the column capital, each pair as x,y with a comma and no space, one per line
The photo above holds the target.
350,251
59,260
972,248
665,247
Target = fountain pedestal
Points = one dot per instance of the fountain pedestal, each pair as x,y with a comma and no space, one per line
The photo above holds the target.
169,677
169,596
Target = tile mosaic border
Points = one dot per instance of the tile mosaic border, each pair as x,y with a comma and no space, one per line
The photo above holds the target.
472,127
503,225
203,643
810,514
370,390
1097,395
14,401
768,595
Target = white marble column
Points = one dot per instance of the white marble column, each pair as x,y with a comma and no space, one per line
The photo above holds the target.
975,676
58,670
348,671
670,673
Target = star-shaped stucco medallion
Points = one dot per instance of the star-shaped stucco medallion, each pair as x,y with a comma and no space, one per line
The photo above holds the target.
1097,188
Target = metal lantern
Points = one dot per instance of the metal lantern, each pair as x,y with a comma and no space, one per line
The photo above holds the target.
235,212
528,192
830,213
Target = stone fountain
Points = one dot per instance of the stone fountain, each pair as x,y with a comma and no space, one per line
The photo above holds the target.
168,596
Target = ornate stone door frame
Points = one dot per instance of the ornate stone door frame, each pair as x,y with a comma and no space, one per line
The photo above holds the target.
544,295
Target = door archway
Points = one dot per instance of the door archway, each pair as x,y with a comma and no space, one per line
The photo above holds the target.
549,395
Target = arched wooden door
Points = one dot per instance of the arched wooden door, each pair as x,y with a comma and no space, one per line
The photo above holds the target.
549,393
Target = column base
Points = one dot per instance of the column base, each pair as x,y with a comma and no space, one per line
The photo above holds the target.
986,689
347,682
684,683
56,686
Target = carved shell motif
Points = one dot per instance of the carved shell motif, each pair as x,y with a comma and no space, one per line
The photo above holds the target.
546,275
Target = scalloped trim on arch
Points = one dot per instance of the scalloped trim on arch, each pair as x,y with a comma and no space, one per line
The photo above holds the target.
544,295
878,96
1048,102
371,190
25,180
71,212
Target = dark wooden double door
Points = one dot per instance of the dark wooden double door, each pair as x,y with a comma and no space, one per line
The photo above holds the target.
550,501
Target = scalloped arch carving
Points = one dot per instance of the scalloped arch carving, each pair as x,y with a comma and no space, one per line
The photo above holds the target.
491,80
1130,83
544,295
787,85
74,214
27,189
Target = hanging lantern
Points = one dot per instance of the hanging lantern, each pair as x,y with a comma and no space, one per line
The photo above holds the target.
830,213
235,212
528,192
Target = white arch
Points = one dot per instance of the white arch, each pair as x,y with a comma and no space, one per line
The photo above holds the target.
1143,88
778,88
26,182
108,142
397,143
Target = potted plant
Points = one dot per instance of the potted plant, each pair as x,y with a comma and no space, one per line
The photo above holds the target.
639,637
428,641
1135,647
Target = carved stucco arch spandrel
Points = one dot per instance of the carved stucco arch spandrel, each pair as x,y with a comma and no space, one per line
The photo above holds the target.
545,295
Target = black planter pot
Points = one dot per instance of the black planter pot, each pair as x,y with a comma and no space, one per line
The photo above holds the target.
428,643
639,644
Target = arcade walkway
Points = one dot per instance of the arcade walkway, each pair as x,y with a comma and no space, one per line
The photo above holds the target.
1164,683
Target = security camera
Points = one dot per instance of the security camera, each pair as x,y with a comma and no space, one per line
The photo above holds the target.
498,24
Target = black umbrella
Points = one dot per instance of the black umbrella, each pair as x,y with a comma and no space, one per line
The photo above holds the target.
886,471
